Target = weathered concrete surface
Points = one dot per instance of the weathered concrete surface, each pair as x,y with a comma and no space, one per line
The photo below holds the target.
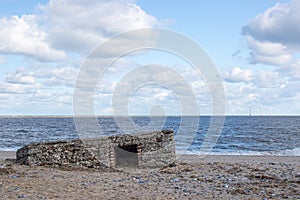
145,150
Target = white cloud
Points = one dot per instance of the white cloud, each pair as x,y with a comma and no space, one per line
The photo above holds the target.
273,36
269,52
20,78
22,35
64,76
278,24
259,79
273,39
64,26
239,75
56,33
38,90
79,26
266,47
268,79
9,88
267,90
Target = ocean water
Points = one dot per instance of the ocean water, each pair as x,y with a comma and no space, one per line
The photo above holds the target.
241,135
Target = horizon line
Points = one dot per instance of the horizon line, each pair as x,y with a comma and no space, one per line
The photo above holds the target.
140,115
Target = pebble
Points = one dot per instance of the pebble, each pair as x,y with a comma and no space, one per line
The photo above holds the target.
15,176
14,189
174,180
141,181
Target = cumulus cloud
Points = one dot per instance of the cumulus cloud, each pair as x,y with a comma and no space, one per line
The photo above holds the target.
20,78
265,91
8,88
240,97
270,53
39,86
46,76
22,35
259,79
273,36
278,24
239,75
64,26
268,79
79,26
273,39
54,76
38,90
56,33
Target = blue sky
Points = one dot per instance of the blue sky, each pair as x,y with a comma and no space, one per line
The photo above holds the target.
255,46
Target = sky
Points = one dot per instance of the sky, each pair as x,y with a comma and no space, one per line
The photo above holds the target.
255,46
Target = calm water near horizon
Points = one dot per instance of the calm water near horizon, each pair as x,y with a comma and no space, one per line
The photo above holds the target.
241,135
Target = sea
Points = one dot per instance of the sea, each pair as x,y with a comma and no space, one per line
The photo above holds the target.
237,135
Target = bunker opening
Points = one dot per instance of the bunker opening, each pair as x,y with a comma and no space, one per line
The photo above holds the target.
126,156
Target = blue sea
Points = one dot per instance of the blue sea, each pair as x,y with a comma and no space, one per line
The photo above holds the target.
241,135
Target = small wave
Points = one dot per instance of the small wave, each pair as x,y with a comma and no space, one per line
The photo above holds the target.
22,131
9,149
290,152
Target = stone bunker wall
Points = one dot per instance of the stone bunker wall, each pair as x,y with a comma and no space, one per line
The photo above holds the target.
145,150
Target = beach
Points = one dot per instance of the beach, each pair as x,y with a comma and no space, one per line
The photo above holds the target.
193,177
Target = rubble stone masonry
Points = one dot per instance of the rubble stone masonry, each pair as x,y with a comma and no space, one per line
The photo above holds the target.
144,150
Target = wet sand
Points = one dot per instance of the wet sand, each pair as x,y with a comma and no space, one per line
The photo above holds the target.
7,155
211,177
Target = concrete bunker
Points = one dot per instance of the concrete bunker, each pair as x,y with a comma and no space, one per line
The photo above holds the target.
143,150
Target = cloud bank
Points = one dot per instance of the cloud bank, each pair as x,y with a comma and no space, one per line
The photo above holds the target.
53,41
273,80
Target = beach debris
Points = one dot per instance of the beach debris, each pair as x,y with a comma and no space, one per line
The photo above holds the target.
211,182
141,181
22,196
4,170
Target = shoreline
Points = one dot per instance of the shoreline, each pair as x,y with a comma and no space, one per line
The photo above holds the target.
240,158
7,155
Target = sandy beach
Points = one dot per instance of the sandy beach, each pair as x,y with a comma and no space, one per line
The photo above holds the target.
193,177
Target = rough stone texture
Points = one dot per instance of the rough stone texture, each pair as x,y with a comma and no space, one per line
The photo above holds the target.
146,150
62,153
